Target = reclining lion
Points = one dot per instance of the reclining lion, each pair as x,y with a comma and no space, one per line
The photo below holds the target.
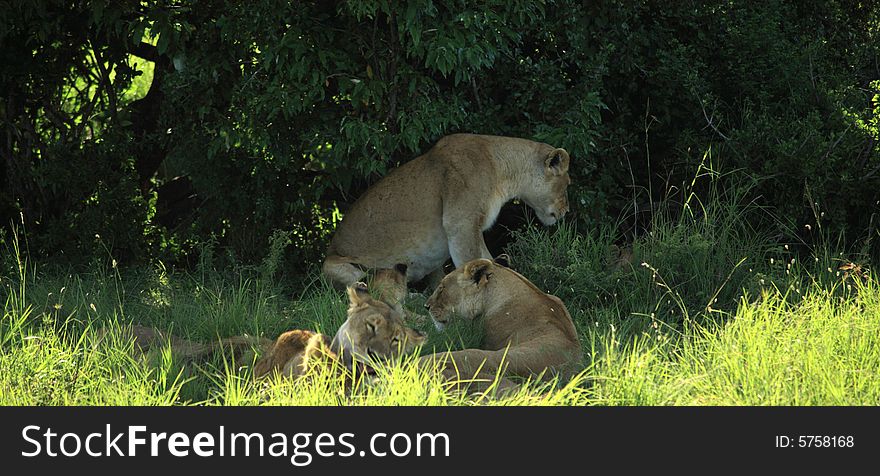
437,205
374,330
527,332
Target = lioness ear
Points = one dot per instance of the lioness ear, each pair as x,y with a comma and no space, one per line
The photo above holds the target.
503,260
401,268
374,323
557,161
357,293
478,271
375,320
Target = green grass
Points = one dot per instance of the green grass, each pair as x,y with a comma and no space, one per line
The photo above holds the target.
822,351
706,312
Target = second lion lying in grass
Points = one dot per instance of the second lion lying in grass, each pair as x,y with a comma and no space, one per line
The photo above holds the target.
527,332
374,330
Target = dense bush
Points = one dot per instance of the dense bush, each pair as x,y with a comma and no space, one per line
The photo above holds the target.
698,260
168,126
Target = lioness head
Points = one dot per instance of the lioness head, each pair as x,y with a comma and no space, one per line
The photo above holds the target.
547,193
461,292
374,330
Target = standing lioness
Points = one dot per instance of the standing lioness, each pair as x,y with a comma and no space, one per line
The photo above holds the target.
438,205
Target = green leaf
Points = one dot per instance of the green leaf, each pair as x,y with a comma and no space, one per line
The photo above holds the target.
163,42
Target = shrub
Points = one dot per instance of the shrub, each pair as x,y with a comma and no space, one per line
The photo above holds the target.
165,125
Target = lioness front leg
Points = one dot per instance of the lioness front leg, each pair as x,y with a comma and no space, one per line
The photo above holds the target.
548,357
467,364
473,370
465,241
535,359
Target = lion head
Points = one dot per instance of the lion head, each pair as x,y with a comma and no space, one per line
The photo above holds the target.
374,330
461,293
547,192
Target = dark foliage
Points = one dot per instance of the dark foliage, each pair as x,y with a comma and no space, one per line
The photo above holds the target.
274,115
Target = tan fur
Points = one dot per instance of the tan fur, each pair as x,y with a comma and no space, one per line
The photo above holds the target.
437,205
527,332
149,340
288,354
292,354
373,330
390,285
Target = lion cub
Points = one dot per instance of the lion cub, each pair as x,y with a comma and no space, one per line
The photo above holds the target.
527,332
374,330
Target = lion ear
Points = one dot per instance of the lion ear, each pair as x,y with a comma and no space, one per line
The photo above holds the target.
357,294
503,259
557,161
478,271
375,320
401,268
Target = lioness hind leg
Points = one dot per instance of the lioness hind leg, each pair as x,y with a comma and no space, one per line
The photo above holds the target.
341,272
241,348
544,358
286,347
148,342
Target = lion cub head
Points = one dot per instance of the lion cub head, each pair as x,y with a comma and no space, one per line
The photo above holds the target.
374,331
547,191
463,292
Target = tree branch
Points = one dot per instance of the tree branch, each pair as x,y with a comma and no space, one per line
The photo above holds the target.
146,51
105,83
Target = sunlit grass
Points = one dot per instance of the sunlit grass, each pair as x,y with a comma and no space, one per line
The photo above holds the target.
716,315
822,350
